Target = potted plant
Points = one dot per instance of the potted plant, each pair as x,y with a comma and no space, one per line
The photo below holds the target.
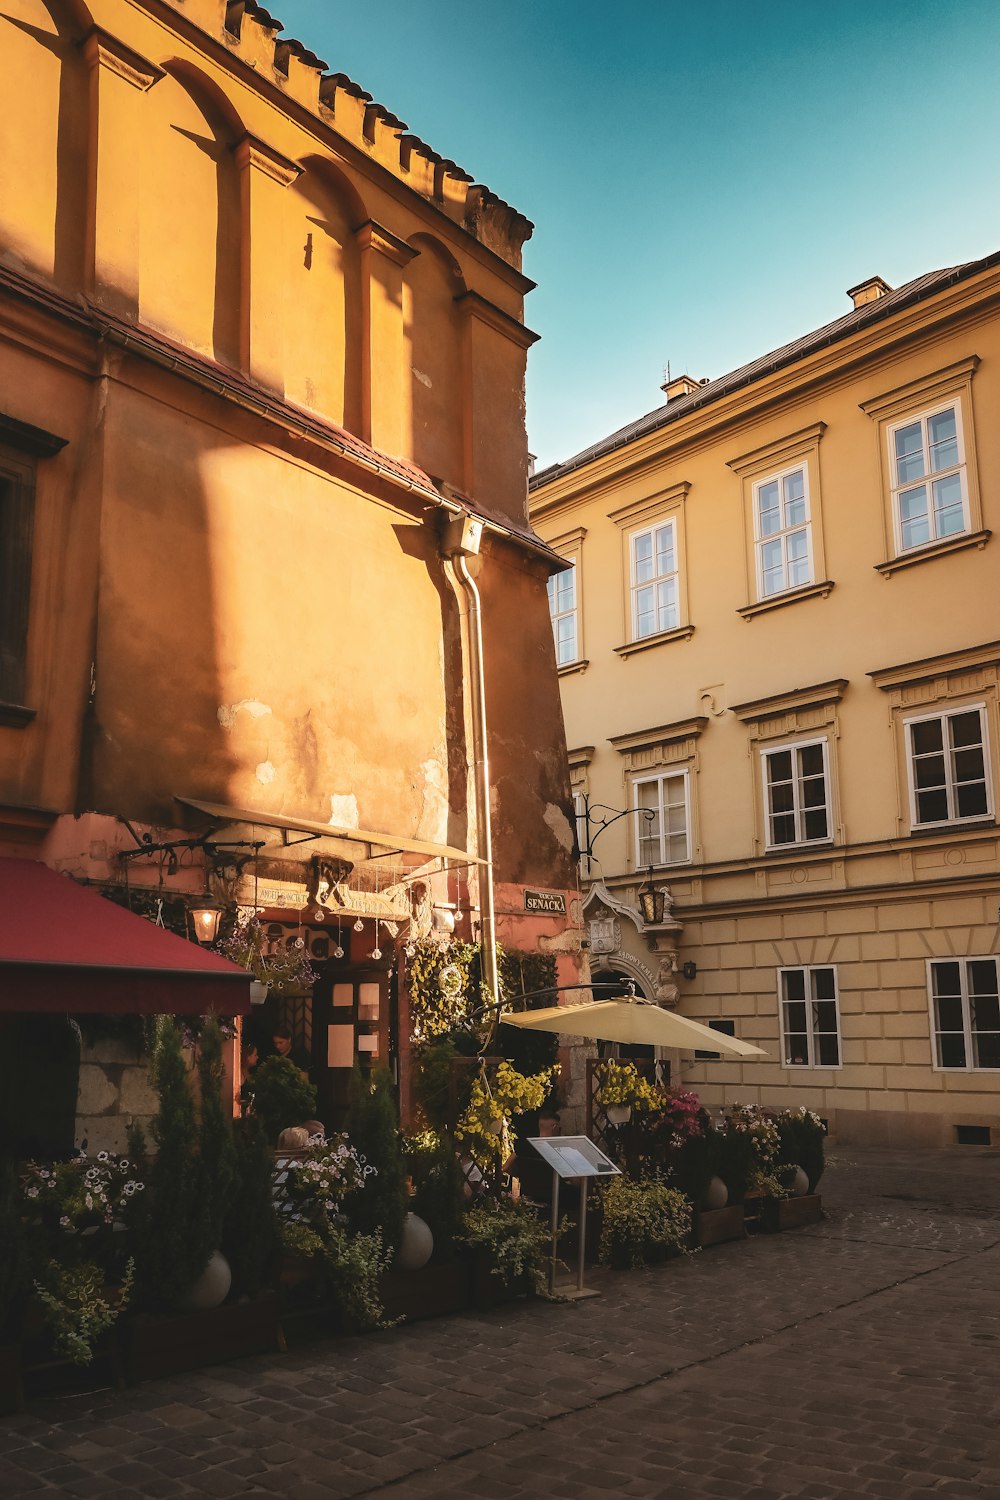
642,1222
273,967
623,1090
511,1247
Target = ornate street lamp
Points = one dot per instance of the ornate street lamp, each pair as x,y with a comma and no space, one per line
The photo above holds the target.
651,902
205,918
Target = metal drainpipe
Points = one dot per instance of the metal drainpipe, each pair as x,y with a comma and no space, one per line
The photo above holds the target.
461,540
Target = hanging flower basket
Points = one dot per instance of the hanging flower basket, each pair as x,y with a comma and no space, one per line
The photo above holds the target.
258,991
618,1114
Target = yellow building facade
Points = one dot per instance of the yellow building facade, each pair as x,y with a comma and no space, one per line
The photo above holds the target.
273,621
778,649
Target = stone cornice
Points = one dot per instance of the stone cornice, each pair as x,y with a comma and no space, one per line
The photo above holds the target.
781,451
651,505
783,703
789,596
102,50
374,236
936,549
581,756
251,151
938,383
476,306
28,439
663,734
967,659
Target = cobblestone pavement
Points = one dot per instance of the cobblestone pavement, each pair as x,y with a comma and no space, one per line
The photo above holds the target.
856,1358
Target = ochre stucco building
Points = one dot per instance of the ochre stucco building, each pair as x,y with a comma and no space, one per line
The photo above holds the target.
779,641
262,360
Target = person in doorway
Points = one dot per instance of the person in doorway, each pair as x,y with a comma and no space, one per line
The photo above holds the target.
281,1039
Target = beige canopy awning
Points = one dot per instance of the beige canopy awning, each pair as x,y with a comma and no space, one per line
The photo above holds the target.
392,842
633,1020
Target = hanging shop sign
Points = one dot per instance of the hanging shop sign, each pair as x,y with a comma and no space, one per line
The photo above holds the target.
390,905
551,903
267,894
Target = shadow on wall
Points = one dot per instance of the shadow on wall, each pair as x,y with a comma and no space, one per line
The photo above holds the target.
43,158
438,388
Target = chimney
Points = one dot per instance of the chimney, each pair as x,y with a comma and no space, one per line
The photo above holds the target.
681,385
868,291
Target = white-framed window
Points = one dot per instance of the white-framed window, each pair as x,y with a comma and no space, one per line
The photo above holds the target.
654,579
665,837
562,611
810,1016
796,794
947,755
965,1012
782,532
930,499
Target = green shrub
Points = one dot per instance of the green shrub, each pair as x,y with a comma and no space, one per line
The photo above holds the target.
516,1240
373,1131
642,1222
800,1142
250,1239
215,1147
14,1273
282,1096
439,1187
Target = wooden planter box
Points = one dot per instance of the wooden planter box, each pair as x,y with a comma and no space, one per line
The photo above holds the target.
11,1398
168,1346
489,1290
431,1292
714,1226
790,1213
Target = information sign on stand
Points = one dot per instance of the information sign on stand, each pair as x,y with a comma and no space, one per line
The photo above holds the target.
576,1158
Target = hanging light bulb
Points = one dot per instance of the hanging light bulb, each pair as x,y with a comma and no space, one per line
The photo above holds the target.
338,952
359,926
376,951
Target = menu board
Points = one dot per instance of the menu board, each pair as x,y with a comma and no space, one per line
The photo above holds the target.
574,1156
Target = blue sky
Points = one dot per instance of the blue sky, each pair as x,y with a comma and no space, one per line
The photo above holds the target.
706,178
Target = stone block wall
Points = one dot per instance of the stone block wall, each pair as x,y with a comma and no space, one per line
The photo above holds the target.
114,1092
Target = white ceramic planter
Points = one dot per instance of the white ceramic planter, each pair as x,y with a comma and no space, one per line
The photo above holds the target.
618,1114
800,1183
212,1287
716,1195
258,991
417,1245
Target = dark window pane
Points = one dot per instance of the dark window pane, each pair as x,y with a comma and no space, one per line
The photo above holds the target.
928,771
814,792
783,830
932,807
983,976
816,827
825,1016
779,766
985,1013
824,987
795,1016
971,800
926,736
811,760
946,978
988,1049
782,800
951,1052
949,1013
969,764
828,1050
966,729
796,1050
794,985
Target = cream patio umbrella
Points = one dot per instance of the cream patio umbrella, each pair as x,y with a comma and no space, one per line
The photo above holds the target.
630,1019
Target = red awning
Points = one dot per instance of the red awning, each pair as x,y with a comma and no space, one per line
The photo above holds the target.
65,948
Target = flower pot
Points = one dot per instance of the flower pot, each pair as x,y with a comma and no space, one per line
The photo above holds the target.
800,1183
618,1114
495,1126
716,1195
258,991
212,1287
417,1245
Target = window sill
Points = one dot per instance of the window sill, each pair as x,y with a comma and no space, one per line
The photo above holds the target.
791,596
935,549
803,848
569,667
956,825
15,715
682,633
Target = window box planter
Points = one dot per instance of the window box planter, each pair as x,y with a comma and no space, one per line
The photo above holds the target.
168,1346
790,1213
715,1226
